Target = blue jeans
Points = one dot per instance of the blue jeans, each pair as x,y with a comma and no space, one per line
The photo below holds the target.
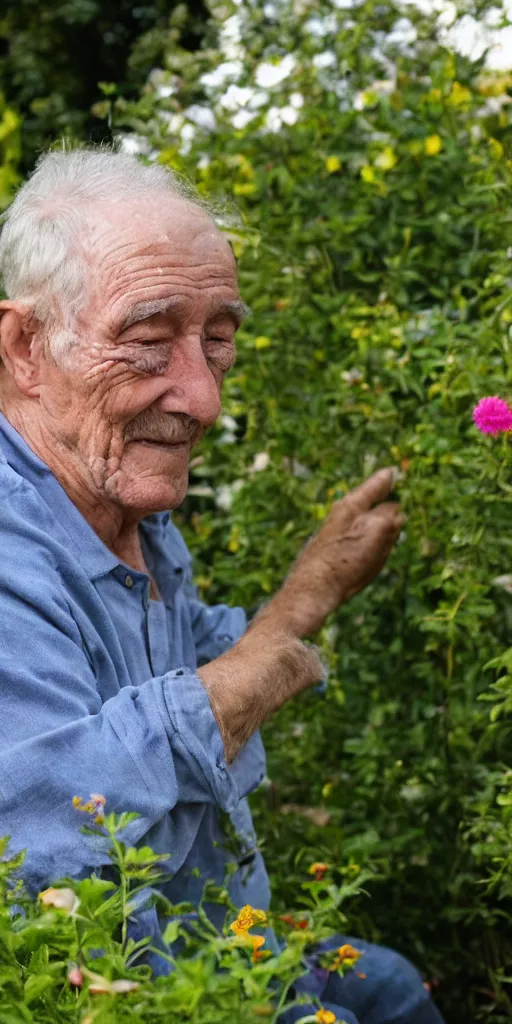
391,992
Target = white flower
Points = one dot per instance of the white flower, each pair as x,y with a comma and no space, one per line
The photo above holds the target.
164,91
267,75
503,581
258,99
321,26
228,69
403,33
242,118
133,144
187,134
273,119
327,59
261,461
353,376
236,96
173,122
61,899
297,100
228,422
224,495
203,117
289,114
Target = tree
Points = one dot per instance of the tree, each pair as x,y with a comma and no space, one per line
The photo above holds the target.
54,55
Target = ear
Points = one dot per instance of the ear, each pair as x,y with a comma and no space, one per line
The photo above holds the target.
19,351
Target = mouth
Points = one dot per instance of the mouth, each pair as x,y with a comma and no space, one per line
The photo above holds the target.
168,446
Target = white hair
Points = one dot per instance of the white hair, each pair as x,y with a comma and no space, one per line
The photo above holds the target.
41,258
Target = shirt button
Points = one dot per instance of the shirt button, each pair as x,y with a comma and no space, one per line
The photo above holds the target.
128,581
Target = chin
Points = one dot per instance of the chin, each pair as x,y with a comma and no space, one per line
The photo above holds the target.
146,495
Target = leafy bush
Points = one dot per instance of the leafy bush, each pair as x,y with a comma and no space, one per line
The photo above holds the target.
372,181
371,170
68,956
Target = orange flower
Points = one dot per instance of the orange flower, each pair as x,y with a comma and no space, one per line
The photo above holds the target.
318,870
247,917
288,919
346,956
325,1017
94,806
347,952
257,942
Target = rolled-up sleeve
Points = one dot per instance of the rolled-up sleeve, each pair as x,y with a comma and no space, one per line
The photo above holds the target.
148,748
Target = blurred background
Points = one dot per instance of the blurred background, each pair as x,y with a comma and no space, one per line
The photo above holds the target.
360,156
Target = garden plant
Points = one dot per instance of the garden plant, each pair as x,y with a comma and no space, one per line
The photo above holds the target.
362,169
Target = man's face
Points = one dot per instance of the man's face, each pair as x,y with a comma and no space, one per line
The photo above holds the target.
156,338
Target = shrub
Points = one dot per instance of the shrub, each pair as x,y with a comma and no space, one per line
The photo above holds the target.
68,955
372,180
371,167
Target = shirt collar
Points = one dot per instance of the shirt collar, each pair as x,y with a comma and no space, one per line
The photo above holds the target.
96,559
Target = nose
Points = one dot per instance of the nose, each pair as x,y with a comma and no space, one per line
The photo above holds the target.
193,388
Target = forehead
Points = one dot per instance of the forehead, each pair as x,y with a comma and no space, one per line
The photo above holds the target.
150,248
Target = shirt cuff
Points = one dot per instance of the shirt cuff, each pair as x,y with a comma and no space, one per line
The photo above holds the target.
197,746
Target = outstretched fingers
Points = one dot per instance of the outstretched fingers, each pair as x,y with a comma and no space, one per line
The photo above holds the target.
377,488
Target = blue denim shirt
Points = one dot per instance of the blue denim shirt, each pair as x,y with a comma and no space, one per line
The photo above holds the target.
99,694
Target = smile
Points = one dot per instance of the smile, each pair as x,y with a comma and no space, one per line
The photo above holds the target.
166,445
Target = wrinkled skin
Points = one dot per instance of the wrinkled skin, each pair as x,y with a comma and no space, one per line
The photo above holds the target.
97,419
116,417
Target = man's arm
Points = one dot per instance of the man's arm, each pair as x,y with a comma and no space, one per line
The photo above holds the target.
147,748
270,664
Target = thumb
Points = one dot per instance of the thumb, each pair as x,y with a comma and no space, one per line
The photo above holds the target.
377,488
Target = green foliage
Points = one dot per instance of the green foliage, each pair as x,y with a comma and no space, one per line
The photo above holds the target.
372,184
68,957
54,54
373,234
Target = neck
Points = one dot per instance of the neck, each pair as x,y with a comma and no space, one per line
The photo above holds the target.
114,526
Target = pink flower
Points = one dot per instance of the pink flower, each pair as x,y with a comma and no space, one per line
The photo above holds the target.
75,976
492,415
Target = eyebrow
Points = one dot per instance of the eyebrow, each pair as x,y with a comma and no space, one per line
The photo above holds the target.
144,310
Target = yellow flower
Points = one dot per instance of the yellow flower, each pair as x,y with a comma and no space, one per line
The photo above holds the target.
496,148
325,1017
460,94
368,174
332,164
433,145
262,342
387,159
245,188
495,85
234,540
247,917
94,806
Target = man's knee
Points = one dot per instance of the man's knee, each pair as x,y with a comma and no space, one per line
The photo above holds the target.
383,987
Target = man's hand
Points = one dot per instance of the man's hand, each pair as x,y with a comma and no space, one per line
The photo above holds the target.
344,557
269,664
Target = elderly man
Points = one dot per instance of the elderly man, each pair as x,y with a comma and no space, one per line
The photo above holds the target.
118,329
